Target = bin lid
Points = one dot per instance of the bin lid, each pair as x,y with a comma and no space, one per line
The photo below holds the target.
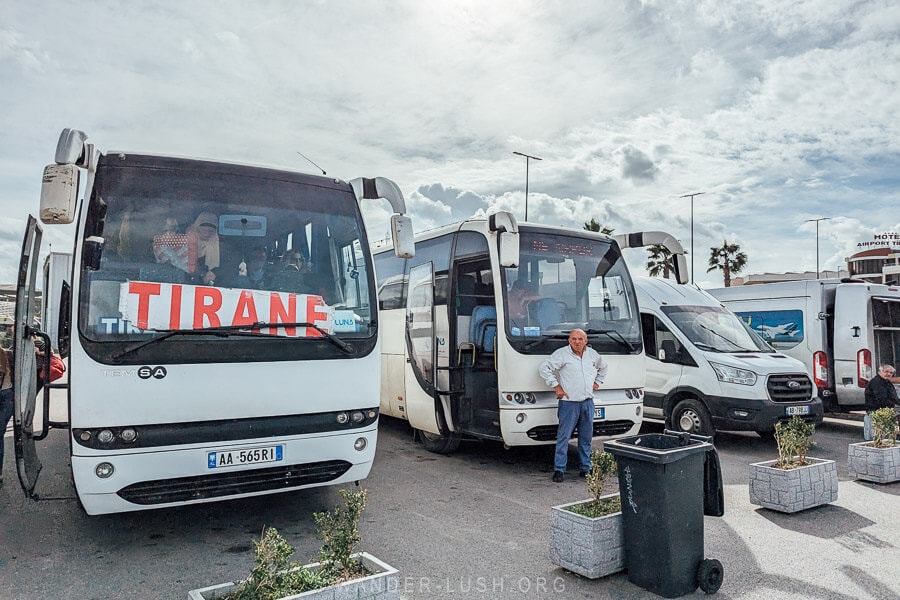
659,448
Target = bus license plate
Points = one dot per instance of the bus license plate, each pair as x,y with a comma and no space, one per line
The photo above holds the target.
599,413
244,456
797,410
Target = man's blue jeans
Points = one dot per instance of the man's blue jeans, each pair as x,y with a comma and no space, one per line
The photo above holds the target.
571,414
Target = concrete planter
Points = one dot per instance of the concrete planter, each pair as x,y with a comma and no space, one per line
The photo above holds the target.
881,465
384,584
793,490
590,547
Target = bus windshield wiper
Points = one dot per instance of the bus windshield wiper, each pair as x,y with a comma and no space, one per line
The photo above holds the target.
228,330
543,338
613,335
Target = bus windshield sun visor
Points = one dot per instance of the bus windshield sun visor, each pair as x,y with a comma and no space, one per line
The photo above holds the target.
239,330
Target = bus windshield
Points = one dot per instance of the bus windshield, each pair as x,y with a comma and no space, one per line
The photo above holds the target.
272,264
715,329
565,282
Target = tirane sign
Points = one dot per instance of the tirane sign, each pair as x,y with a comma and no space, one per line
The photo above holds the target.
159,306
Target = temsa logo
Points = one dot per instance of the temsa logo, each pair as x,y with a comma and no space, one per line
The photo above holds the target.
154,372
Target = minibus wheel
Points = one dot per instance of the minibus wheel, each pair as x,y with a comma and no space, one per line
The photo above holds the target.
440,444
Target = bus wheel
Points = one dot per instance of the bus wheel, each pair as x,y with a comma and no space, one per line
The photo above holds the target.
690,415
441,444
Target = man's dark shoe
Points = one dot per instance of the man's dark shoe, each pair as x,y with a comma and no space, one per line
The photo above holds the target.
557,476
582,473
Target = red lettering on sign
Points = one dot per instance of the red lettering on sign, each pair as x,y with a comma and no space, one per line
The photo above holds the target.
175,312
312,315
279,314
207,301
245,311
143,291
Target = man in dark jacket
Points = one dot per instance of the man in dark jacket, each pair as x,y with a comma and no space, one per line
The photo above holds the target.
880,391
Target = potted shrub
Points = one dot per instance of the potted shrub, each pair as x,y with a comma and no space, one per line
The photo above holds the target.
795,481
339,572
586,536
878,460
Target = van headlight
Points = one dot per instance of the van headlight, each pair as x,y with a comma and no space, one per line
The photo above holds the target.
728,374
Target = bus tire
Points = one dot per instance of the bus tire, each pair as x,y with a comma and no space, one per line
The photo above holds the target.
691,416
439,444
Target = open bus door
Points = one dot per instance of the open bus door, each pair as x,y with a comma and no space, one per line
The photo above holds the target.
25,365
426,412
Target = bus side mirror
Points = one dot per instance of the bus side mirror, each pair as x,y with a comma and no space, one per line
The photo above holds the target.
509,249
667,352
681,271
402,236
59,193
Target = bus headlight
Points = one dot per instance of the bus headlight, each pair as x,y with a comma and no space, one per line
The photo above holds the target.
128,435
357,416
519,397
531,398
104,470
360,444
520,418
343,418
105,436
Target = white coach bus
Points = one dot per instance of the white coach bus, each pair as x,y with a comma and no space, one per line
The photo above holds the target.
220,329
468,321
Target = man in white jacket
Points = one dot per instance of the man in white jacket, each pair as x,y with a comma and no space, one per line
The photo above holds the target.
575,372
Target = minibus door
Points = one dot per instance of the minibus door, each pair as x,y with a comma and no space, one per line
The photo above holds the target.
29,419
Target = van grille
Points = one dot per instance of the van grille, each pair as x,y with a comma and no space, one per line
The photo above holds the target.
789,388
185,489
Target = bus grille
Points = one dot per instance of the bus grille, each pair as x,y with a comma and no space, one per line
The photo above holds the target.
185,489
546,433
789,388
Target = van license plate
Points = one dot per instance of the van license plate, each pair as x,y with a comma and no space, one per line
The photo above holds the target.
244,456
599,413
797,410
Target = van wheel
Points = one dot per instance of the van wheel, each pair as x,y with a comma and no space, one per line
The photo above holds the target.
440,444
691,416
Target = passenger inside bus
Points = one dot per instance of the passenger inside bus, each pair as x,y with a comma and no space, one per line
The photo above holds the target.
205,228
294,274
521,295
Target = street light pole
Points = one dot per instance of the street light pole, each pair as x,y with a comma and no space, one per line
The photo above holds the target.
527,158
691,196
817,240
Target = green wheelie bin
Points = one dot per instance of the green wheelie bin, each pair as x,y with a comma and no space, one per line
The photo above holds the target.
667,482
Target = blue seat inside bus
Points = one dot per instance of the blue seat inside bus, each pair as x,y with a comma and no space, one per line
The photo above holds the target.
545,312
483,328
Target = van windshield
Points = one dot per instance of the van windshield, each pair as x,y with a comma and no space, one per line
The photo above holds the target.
715,329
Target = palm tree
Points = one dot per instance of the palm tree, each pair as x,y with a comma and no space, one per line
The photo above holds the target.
728,258
660,261
594,225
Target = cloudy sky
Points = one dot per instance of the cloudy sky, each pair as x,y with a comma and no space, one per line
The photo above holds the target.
779,112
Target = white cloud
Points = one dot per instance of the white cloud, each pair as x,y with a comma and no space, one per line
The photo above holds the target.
779,112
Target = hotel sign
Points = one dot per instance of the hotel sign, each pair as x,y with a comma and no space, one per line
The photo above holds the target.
881,240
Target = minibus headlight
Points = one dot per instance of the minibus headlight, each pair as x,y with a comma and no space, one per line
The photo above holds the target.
519,397
360,444
357,416
343,418
105,436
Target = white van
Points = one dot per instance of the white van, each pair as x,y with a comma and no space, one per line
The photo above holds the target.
707,371
841,329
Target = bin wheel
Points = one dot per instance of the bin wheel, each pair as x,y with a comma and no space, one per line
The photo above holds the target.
709,575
